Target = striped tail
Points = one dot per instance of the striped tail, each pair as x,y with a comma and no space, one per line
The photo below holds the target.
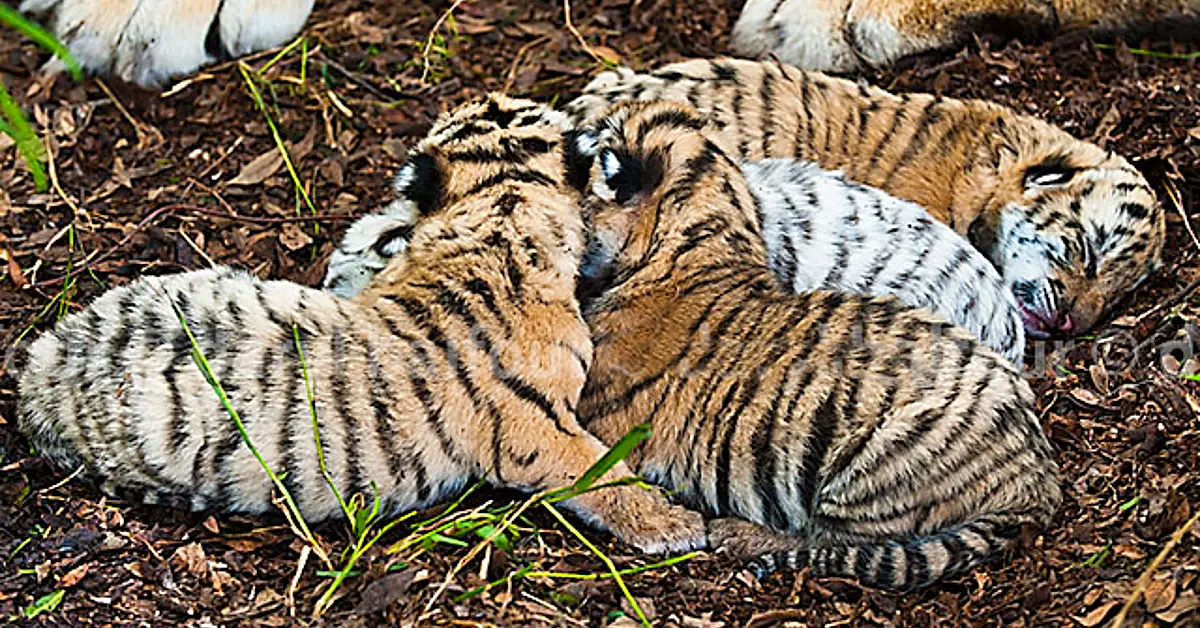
910,564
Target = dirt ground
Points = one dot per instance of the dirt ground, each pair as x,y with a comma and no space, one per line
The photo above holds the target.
159,183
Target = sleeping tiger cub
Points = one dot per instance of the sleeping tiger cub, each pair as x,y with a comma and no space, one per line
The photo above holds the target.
464,359
821,232
848,35
1071,227
885,444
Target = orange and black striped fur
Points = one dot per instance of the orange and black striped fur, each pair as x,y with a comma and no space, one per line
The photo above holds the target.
1070,227
464,359
887,444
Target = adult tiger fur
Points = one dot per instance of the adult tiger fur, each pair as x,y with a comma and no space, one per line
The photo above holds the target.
151,41
821,232
465,359
848,35
889,445
1071,227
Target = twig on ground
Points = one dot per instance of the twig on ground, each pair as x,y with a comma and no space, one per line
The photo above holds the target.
1144,580
512,69
138,126
579,36
433,33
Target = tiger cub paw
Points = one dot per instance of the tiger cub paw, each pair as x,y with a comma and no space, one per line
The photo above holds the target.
805,33
742,540
644,519
673,530
150,42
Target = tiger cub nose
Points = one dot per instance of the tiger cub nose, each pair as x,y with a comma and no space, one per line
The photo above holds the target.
1063,322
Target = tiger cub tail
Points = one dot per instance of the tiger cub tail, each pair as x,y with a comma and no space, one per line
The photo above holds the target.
906,563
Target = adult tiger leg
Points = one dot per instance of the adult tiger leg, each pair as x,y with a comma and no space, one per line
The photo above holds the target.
150,41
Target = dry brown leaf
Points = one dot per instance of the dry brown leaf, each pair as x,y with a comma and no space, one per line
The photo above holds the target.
72,578
14,269
191,558
1097,614
1159,595
1087,397
292,236
385,592
259,169
220,580
703,621
1099,378
1185,603
363,31
609,55
471,25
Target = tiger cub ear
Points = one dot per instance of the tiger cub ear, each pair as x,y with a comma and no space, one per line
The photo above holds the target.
420,181
579,154
621,176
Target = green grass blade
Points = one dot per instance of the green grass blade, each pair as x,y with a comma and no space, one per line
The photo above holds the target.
1185,56
45,604
9,17
16,126
614,455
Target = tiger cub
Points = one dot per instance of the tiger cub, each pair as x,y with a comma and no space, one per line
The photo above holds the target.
1070,227
885,444
849,35
821,232
465,359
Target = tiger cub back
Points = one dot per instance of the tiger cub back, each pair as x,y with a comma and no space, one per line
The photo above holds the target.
886,444
826,233
1070,227
465,359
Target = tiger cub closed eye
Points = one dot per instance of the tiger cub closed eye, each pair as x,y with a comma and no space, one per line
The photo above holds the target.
852,434
821,232
465,359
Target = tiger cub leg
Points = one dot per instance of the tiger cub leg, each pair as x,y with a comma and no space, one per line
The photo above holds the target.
638,516
882,31
152,41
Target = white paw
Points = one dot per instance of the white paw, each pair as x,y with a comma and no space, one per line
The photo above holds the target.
805,33
149,41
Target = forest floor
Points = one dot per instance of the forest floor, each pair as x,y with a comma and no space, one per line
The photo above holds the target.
153,183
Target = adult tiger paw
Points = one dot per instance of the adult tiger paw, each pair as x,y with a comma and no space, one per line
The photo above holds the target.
150,41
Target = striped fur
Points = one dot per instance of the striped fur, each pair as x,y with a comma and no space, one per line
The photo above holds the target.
849,35
887,444
464,359
1070,227
826,233
821,232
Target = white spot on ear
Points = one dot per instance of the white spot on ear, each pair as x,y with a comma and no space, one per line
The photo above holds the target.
611,164
586,144
404,178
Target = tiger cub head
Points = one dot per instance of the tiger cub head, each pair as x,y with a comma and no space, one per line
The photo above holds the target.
1071,227
469,152
659,154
